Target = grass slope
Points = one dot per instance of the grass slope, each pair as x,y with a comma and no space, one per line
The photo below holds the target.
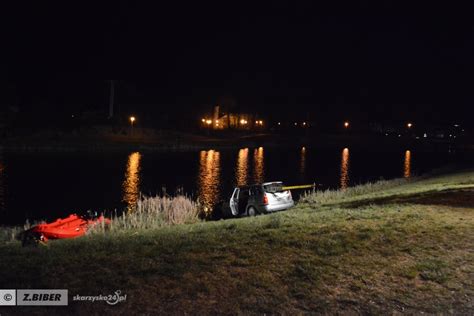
397,247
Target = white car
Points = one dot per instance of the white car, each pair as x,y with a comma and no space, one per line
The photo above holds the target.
260,199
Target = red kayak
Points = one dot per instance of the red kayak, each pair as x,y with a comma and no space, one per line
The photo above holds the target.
69,227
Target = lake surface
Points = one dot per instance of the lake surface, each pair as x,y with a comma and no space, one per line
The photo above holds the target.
47,186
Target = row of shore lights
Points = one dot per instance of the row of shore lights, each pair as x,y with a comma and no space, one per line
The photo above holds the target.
346,124
260,122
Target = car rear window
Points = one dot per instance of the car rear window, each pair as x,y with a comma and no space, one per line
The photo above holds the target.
273,187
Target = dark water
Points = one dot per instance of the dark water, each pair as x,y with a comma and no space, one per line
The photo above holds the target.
47,186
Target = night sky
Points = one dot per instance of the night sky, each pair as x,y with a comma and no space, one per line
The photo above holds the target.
379,60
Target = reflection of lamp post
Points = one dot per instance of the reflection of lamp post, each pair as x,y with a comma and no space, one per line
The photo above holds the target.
132,120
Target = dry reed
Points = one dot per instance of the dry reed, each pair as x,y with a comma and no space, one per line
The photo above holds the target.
154,212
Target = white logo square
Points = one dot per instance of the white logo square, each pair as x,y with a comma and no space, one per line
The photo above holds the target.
7,297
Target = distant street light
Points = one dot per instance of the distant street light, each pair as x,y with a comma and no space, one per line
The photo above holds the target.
409,125
346,124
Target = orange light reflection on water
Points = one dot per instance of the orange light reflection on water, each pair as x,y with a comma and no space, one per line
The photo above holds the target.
209,179
241,170
345,168
407,165
303,162
259,165
131,184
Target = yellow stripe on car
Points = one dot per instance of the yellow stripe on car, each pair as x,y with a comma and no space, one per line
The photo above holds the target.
296,187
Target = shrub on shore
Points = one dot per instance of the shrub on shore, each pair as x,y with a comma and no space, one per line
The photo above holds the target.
9,234
13,233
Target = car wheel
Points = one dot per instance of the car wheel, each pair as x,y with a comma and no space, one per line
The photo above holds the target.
251,211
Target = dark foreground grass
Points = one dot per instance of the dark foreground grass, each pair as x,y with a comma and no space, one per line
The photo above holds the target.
406,255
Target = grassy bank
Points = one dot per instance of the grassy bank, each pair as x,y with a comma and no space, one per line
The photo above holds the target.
397,246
